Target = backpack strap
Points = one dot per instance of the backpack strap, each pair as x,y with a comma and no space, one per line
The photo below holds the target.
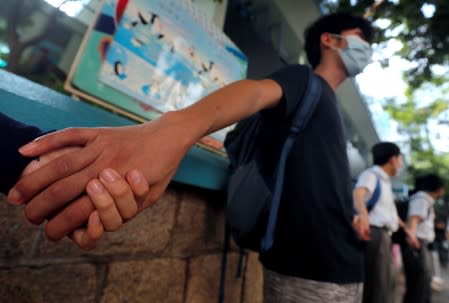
375,196
303,113
306,108
224,263
429,212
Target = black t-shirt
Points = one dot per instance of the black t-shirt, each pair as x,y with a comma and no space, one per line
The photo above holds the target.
314,237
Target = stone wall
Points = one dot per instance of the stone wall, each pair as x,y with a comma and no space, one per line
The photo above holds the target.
171,252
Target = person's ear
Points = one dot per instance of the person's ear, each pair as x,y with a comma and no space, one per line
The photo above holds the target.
327,40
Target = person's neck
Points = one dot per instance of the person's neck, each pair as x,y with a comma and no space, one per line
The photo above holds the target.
434,195
333,75
388,169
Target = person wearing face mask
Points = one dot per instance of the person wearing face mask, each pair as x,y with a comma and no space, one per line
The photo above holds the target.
420,222
356,55
316,256
378,219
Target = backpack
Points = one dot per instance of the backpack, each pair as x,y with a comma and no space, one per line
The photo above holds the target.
253,201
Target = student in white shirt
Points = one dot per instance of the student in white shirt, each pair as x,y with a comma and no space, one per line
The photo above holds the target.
375,225
420,223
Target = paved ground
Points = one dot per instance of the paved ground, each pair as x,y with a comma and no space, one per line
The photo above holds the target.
442,296
437,296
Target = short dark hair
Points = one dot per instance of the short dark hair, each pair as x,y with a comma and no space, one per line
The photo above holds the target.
335,24
383,151
428,182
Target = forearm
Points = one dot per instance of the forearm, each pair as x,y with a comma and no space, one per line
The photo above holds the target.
359,201
401,223
155,147
227,106
412,224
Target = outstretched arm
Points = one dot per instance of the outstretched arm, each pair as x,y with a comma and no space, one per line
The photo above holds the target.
155,147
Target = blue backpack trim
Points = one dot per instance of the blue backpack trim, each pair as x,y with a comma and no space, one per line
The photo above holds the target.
371,203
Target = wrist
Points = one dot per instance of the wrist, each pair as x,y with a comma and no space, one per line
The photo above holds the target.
188,126
363,212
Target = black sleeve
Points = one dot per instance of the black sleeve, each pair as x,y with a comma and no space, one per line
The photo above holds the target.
293,80
13,135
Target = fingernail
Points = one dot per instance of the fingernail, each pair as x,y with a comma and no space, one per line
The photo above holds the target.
96,187
14,197
109,175
135,176
27,147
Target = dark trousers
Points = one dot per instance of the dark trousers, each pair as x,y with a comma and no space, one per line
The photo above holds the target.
418,274
378,287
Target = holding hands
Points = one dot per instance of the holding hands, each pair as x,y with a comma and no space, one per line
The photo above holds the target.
114,198
101,162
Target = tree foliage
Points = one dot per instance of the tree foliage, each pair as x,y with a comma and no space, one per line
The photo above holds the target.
413,120
17,14
422,158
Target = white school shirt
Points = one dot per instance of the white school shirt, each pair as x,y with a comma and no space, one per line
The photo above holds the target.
384,214
421,204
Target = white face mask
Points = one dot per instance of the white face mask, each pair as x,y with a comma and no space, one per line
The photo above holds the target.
356,56
400,171
402,168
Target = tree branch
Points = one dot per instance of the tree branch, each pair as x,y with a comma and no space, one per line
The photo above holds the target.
50,22
12,20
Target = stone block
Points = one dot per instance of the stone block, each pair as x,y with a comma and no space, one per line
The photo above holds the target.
53,283
149,233
145,281
17,235
203,282
199,224
253,284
